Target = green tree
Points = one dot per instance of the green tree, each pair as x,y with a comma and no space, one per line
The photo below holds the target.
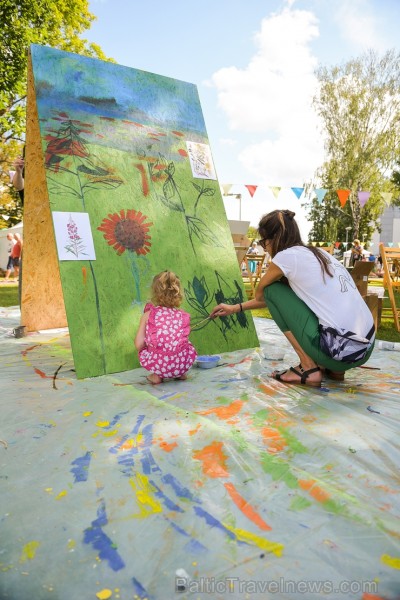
359,106
54,23
252,233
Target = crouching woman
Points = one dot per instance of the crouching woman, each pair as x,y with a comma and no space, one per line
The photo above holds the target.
313,300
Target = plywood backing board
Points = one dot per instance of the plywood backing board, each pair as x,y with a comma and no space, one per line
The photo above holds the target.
42,302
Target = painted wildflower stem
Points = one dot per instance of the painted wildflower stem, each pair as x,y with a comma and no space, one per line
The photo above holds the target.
171,197
89,173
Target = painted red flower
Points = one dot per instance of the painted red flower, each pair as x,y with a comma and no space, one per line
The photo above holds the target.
127,230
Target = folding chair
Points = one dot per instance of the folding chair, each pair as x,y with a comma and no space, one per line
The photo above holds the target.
391,277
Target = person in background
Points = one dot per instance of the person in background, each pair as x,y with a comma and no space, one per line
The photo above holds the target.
10,263
356,251
162,339
16,254
18,177
252,251
313,300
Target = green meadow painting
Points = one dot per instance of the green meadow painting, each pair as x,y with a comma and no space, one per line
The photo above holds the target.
129,175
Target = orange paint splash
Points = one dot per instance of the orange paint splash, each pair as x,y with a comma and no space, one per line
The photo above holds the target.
314,490
245,507
178,133
182,152
145,184
224,412
195,430
168,447
213,460
273,439
367,596
267,389
84,275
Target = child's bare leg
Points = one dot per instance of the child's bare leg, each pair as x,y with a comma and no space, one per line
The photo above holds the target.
154,379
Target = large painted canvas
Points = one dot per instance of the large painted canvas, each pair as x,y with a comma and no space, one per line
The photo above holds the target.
116,144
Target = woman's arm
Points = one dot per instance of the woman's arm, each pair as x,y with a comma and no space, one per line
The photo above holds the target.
273,274
140,335
223,310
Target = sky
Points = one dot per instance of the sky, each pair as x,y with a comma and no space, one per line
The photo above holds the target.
253,62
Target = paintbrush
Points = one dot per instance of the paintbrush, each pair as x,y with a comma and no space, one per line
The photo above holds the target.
206,319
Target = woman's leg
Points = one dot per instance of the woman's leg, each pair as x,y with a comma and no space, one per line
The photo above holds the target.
301,328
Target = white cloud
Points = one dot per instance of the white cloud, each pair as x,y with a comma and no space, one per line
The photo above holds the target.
359,25
270,100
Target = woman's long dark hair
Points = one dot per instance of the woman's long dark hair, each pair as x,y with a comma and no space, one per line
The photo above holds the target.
281,230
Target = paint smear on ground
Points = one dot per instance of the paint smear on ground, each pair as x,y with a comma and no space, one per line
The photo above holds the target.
213,459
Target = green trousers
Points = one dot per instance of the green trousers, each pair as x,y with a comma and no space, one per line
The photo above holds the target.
290,313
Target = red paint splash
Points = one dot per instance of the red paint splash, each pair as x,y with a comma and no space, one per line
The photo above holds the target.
145,184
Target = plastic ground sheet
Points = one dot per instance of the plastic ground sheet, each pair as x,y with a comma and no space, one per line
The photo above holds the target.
227,485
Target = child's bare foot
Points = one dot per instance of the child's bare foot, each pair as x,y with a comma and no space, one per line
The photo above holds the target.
154,379
182,377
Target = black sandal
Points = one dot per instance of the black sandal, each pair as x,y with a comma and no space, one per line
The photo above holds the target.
300,373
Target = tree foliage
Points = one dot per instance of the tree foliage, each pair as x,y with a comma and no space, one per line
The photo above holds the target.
57,23
359,106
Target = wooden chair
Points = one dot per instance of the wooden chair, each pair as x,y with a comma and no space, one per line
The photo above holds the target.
241,243
328,249
252,279
391,277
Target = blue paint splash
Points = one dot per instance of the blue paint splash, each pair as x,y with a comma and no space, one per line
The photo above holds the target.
135,431
213,522
193,546
80,470
165,500
179,489
95,536
140,592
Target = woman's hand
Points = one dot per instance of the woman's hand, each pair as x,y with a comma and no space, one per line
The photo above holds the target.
223,310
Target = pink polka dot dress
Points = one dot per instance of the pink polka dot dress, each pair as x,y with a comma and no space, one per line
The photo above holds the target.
167,352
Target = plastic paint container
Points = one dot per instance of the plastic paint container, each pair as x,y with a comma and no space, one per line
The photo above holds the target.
208,362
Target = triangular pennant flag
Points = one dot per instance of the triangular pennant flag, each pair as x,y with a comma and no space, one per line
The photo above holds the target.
337,244
226,188
387,196
298,192
252,189
275,191
343,195
320,192
5,217
363,198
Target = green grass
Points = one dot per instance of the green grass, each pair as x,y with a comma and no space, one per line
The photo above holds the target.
9,294
386,331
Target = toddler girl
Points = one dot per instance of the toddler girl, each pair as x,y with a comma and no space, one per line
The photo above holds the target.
162,338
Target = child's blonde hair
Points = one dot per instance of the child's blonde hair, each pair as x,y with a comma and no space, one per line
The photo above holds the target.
166,290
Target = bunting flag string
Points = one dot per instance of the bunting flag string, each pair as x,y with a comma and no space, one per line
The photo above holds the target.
320,192
343,196
363,198
387,196
297,191
226,188
252,189
275,190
